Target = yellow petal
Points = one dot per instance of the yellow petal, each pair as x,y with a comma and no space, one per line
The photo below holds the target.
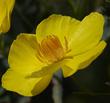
16,82
83,60
88,33
23,55
5,26
9,5
50,69
68,71
6,7
2,13
62,26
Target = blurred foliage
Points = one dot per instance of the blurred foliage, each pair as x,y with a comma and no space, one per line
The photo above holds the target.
91,85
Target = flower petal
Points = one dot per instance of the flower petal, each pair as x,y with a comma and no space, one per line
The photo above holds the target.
59,25
88,33
5,26
50,69
14,81
83,60
10,5
23,55
6,7
2,13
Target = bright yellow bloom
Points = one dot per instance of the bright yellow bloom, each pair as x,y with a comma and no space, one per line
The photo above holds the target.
60,42
6,7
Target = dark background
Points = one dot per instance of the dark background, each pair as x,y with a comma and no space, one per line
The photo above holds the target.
91,85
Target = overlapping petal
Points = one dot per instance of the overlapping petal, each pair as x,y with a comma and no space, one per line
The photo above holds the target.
23,55
50,69
83,60
88,33
15,81
61,26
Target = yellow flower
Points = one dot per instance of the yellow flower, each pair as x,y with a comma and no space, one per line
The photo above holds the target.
60,42
6,7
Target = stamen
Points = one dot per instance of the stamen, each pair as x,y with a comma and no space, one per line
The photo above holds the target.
50,49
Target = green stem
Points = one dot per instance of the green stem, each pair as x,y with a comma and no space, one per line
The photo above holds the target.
57,87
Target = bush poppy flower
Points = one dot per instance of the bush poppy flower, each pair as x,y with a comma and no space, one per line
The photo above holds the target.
60,42
6,7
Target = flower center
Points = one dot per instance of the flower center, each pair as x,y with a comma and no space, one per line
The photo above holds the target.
50,49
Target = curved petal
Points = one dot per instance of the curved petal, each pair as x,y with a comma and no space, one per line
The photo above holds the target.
6,7
23,55
50,69
88,33
68,71
10,5
5,26
14,81
2,13
83,60
62,26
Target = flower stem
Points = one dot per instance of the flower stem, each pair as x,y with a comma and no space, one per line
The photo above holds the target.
57,87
